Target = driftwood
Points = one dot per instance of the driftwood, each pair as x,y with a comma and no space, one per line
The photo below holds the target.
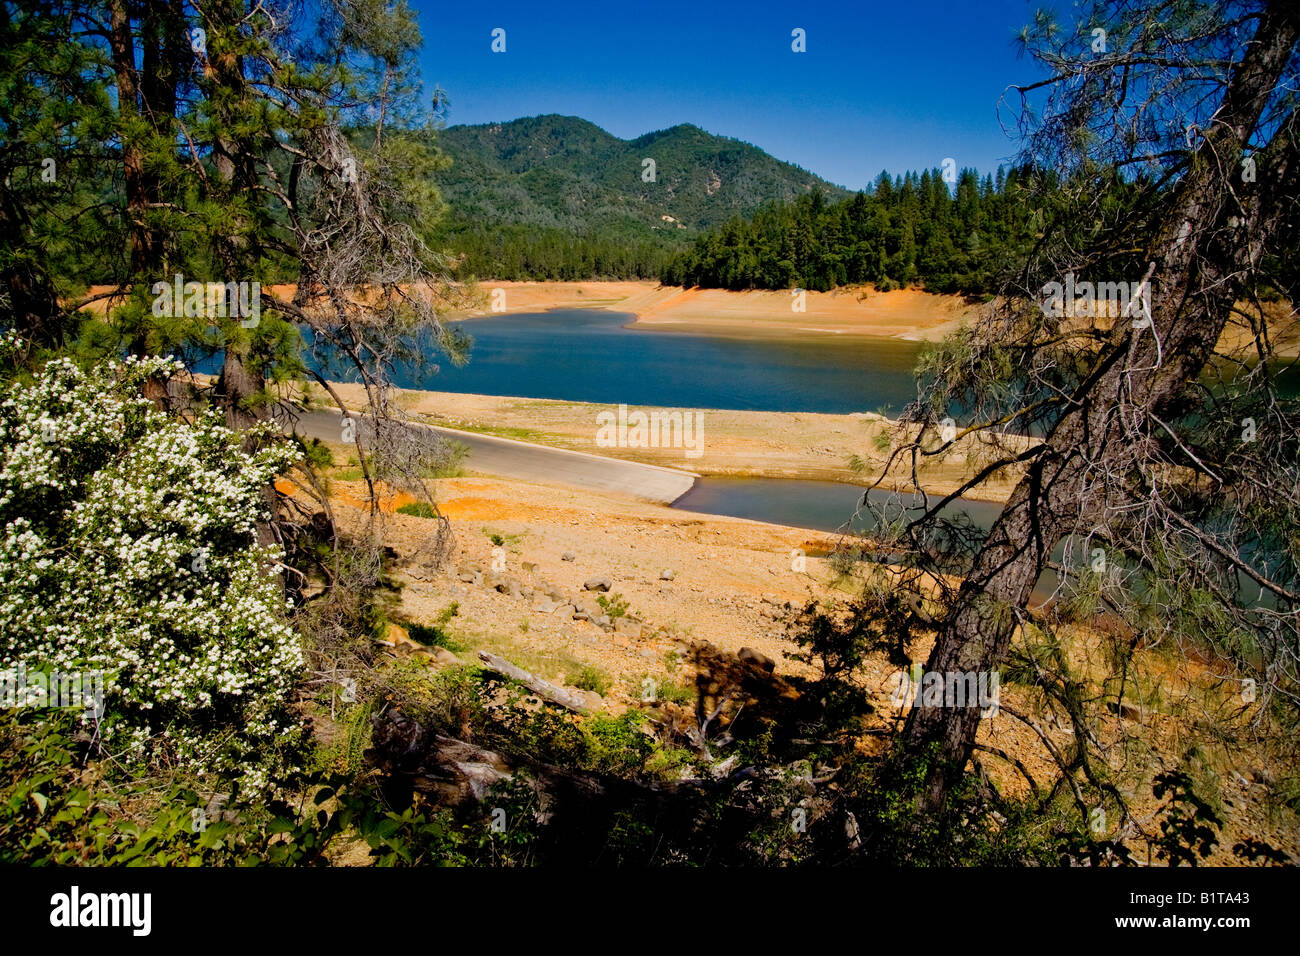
542,688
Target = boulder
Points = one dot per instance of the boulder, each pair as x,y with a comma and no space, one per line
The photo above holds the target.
568,556
597,584
757,658
626,625
667,574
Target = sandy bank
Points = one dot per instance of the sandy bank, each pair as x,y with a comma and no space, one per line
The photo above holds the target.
800,445
903,313
908,314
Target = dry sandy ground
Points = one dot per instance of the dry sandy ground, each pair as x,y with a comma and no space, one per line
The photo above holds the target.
860,310
734,583
909,314
722,569
758,444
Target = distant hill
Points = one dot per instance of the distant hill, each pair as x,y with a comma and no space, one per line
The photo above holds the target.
559,197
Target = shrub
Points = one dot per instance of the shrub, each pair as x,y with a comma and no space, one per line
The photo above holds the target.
615,605
128,547
592,679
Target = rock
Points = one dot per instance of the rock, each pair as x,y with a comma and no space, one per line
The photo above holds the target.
555,594
1126,711
647,653
530,567
597,584
758,658
667,575
544,604
471,577
568,556
444,656
625,625
579,614
604,621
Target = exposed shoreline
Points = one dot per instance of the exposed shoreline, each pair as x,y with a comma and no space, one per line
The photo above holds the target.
755,444
907,314
910,315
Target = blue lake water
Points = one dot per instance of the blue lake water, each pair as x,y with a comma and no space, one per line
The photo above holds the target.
586,355
820,505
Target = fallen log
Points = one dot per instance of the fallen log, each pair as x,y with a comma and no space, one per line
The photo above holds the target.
542,688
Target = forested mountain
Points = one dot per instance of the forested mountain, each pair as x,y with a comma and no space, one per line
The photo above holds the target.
557,197
908,229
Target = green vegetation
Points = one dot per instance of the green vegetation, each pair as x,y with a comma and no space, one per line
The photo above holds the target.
906,230
159,530
615,605
592,679
556,197
437,634
420,509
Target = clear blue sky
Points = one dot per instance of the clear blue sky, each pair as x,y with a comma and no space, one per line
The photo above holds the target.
897,85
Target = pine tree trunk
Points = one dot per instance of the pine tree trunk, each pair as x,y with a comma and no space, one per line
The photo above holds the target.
1199,256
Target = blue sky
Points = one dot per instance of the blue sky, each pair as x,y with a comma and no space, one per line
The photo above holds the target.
897,86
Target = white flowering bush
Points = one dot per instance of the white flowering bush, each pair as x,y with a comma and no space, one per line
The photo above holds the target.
128,546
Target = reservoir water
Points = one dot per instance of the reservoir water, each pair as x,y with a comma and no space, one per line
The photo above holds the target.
586,355
819,505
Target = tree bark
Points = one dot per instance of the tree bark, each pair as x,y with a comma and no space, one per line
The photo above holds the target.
1210,238
122,45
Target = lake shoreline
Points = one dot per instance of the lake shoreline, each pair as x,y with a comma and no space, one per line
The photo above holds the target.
805,446
849,312
856,311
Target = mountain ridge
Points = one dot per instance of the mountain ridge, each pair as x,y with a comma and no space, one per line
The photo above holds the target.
566,172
